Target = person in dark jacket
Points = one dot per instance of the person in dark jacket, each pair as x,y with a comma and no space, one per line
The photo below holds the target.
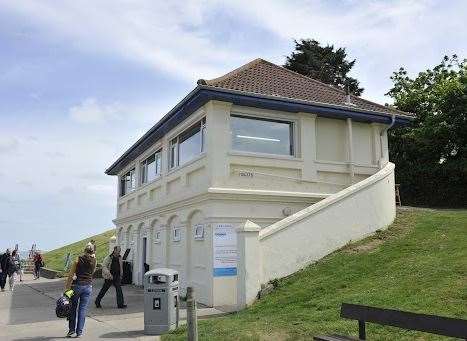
5,261
38,265
83,268
112,271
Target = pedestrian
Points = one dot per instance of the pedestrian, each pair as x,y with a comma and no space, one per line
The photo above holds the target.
112,271
83,268
13,268
4,264
93,242
38,264
19,265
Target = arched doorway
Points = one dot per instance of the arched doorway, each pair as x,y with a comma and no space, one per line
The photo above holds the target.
199,257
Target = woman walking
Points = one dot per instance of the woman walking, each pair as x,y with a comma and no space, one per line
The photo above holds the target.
83,268
13,267
38,264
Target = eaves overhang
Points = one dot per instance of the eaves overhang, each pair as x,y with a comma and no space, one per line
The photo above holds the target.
202,94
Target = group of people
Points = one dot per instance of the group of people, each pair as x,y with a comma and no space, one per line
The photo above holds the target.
10,268
80,280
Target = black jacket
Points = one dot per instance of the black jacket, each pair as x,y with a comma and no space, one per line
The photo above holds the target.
5,262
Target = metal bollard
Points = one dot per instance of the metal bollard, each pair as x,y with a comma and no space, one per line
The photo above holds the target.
191,320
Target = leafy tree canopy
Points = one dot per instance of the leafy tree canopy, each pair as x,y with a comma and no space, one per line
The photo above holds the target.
431,154
325,64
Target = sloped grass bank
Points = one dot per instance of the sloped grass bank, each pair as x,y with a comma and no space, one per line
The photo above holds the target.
419,264
55,259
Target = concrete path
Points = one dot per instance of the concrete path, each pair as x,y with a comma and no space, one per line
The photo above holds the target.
28,313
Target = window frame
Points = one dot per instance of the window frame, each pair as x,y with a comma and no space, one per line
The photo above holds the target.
144,167
157,237
292,134
174,144
125,189
198,236
176,234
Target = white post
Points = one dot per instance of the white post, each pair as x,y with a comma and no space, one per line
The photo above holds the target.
307,137
218,140
249,263
350,150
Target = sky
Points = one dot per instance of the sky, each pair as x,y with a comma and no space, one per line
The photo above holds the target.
80,81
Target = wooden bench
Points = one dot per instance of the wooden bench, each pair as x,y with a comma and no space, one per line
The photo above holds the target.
433,324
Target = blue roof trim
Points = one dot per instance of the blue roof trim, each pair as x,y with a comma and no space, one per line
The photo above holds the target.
200,96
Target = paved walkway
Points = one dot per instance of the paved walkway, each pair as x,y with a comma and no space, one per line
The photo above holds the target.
28,313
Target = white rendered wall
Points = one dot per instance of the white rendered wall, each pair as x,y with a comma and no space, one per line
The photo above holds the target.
309,235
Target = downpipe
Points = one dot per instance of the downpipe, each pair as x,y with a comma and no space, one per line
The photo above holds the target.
381,134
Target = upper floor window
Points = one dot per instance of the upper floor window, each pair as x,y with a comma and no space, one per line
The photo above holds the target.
260,135
128,182
187,145
151,168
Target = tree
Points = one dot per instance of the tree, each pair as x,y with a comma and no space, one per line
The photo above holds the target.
431,154
324,64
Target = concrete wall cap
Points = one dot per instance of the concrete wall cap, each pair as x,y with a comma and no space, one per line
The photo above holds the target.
249,226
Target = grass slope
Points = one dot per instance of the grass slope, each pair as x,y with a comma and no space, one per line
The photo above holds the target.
419,264
55,259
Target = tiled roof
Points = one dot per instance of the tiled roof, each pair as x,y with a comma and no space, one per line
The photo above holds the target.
265,78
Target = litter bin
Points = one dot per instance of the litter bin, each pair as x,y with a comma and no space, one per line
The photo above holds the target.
160,300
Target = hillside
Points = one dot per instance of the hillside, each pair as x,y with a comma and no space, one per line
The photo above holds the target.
55,259
418,264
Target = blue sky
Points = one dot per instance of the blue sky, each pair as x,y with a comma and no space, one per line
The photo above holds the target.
80,81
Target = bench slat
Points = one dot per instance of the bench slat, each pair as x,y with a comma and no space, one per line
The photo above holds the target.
421,322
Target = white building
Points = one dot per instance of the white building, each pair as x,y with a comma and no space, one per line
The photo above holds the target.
252,176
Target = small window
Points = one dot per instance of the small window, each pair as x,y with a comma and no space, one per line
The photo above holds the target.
188,145
260,135
128,182
199,231
176,234
151,168
157,237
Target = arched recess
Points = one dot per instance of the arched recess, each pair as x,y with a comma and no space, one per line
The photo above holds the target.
199,256
120,238
127,243
153,243
176,249
140,254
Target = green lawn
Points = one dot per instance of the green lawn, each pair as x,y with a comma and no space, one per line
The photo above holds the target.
55,259
419,264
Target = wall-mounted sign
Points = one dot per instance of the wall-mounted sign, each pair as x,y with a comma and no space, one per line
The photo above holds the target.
246,174
224,250
199,231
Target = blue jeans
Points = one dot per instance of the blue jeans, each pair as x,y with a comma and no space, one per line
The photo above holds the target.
79,303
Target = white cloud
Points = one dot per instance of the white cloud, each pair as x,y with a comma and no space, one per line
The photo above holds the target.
8,144
164,35
90,111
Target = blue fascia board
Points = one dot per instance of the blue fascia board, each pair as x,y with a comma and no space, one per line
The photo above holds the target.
201,95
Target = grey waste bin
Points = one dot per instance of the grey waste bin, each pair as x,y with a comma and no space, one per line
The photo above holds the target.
160,300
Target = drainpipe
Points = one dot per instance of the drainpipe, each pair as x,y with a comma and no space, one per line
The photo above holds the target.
350,150
381,134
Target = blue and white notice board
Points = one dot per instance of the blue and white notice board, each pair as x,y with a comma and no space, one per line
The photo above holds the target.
224,250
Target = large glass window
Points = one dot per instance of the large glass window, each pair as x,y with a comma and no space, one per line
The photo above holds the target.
188,144
128,182
261,135
151,168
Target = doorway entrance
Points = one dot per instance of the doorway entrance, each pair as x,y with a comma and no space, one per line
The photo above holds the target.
144,266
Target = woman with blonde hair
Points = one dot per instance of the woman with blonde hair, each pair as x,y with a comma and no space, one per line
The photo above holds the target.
83,268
